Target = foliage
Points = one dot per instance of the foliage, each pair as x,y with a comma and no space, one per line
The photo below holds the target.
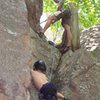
89,11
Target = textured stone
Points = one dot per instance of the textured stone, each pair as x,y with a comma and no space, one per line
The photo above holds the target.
42,50
17,55
90,38
14,50
82,67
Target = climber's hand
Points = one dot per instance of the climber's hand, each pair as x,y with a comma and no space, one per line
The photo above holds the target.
65,98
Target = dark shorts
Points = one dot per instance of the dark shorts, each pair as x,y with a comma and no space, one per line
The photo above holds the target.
65,16
48,92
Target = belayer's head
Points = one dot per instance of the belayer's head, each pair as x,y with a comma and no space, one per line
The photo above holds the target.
56,1
39,65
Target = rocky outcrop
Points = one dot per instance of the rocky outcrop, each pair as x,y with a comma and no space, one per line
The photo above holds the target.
15,51
90,40
20,47
79,67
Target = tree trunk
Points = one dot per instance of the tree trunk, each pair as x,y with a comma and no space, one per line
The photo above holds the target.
74,23
34,11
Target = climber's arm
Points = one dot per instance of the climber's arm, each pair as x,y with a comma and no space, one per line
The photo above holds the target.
60,96
60,4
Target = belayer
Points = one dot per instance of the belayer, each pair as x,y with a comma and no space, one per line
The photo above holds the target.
65,15
47,90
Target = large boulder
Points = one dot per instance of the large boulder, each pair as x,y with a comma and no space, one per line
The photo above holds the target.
82,67
21,46
90,40
15,52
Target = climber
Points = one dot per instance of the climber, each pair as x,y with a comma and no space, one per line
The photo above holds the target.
65,15
47,90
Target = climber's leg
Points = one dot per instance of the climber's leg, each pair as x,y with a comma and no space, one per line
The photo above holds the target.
50,21
68,35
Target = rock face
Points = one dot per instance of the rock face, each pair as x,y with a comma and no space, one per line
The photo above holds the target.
90,39
80,67
15,50
20,47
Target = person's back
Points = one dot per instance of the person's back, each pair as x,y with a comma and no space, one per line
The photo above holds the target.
47,90
39,78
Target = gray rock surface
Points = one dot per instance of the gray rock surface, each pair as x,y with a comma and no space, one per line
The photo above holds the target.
20,47
15,50
90,39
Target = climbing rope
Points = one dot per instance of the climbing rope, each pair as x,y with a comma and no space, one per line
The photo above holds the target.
51,69
43,21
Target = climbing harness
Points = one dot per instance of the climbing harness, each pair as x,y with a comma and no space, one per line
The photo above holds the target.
63,13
